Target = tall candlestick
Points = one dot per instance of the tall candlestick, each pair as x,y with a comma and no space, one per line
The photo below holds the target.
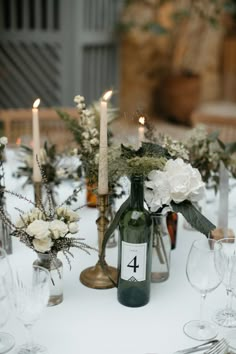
141,130
223,199
103,163
36,141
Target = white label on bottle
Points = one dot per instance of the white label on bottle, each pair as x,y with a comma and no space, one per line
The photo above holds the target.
133,261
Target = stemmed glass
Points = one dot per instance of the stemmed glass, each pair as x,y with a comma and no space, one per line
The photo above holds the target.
31,297
7,342
202,275
227,272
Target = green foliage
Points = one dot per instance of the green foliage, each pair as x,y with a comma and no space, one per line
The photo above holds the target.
193,217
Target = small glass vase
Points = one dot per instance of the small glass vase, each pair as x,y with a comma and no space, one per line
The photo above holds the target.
55,267
110,215
161,249
5,235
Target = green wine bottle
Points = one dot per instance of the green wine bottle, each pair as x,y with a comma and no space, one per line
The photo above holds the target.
135,249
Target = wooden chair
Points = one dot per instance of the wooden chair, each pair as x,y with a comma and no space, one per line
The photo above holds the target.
17,126
217,116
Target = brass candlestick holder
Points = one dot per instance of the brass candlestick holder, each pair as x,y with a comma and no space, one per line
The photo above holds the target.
38,193
99,277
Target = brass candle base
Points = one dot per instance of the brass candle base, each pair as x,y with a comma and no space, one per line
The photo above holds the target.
38,193
98,277
95,277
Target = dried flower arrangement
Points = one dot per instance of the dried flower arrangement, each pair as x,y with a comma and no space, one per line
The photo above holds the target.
47,230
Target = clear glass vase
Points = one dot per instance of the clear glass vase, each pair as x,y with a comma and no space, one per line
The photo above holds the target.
55,267
161,249
110,215
5,235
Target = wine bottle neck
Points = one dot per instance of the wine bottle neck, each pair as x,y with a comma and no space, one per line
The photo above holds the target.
137,193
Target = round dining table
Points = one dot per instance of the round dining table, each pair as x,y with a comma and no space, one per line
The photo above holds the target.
92,321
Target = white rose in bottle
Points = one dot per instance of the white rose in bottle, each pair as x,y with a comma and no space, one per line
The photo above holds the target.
43,245
38,229
73,227
58,229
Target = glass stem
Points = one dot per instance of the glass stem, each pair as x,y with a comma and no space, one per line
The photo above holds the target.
202,307
30,340
229,300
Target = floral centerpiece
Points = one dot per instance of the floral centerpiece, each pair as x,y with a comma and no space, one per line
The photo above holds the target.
56,167
206,152
48,232
5,238
170,182
85,129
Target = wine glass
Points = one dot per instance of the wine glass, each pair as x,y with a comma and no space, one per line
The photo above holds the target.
202,275
31,297
227,272
7,342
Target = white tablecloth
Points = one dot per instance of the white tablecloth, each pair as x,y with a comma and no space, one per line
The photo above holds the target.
91,321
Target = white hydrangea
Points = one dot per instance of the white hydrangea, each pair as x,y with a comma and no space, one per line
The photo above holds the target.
178,182
58,229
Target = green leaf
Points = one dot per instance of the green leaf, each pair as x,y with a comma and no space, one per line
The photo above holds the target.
154,27
110,230
214,135
154,150
230,148
193,217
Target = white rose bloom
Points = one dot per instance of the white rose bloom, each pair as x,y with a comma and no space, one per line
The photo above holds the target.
43,245
72,215
73,227
60,211
38,229
3,140
94,141
58,229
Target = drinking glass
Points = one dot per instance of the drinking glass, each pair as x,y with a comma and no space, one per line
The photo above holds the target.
227,272
7,342
202,275
31,297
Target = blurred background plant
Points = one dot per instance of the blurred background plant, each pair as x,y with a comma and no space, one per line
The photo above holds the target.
174,48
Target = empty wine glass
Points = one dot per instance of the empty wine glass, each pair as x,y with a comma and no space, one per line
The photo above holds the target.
227,272
202,275
31,297
7,342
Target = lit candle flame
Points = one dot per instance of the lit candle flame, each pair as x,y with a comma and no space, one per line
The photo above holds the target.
36,103
141,120
107,95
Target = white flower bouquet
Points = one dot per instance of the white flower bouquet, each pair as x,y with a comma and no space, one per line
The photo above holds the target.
178,182
47,231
